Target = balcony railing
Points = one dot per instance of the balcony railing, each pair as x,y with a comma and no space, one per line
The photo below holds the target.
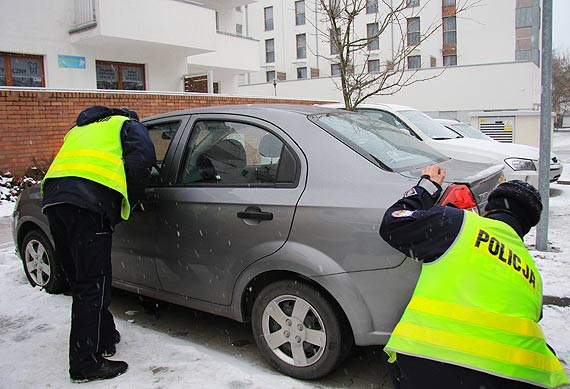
84,15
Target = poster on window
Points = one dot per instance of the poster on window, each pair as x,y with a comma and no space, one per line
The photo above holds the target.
2,72
107,76
132,77
26,72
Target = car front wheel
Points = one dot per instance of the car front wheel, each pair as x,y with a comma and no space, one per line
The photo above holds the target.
299,330
40,264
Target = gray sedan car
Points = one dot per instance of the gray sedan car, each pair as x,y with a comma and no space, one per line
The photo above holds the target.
270,214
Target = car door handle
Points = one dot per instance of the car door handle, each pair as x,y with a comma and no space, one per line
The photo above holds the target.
255,215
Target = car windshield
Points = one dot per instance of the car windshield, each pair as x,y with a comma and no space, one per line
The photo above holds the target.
429,126
468,131
385,144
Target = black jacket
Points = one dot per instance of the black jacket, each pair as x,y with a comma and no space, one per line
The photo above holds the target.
138,154
417,227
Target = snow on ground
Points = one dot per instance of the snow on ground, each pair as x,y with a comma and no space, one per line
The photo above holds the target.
6,208
34,328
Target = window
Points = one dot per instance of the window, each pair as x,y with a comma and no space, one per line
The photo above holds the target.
449,31
269,50
414,62
21,70
371,6
412,3
300,12
413,31
301,73
301,46
236,154
334,48
268,18
374,66
161,135
447,3
118,75
270,75
450,60
239,29
432,62
335,69
372,36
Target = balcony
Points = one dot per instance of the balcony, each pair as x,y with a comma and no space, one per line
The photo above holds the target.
231,52
179,28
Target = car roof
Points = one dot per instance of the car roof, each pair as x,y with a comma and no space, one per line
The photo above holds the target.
258,110
447,121
393,107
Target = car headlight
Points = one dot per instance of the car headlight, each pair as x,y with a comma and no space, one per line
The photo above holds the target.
520,164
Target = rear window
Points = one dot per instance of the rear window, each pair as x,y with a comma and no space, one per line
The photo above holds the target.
385,145
429,126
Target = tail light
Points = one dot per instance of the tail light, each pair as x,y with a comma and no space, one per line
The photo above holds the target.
460,196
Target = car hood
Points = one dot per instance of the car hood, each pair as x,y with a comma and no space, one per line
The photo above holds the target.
481,150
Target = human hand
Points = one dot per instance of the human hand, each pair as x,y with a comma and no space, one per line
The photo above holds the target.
435,173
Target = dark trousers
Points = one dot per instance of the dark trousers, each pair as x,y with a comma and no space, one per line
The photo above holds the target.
83,247
413,373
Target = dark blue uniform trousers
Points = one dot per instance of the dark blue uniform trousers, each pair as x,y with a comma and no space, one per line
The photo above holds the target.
83,247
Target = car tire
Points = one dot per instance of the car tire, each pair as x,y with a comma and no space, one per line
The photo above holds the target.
299,330
40,265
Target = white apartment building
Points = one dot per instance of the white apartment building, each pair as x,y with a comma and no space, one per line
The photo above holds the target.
153,45
489,53
238,47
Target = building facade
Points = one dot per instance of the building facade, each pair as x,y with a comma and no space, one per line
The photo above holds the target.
485,57
155,45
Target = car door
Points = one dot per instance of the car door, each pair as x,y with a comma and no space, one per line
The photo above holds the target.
231,201
134,245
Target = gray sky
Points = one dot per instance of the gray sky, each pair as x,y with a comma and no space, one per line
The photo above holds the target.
561,24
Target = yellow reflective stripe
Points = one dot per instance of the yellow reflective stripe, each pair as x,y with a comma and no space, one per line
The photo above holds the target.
92,153
479,347
101,171
476,316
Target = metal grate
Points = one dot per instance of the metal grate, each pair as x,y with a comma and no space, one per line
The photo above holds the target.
500,129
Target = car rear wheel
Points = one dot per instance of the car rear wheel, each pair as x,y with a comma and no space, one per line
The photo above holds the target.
40,264
299,330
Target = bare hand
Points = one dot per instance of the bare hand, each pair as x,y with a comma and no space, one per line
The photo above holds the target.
435,173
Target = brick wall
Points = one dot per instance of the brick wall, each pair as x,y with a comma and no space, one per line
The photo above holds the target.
33,123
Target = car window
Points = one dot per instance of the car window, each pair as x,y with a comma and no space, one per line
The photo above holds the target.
387,145
385,117
429,126
161,135
468,131
233,153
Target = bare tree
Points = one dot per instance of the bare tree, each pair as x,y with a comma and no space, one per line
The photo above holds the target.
560,85
397,17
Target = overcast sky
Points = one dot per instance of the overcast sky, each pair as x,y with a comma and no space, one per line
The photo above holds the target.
561,24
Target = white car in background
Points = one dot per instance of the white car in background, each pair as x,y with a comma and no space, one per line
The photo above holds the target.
520,161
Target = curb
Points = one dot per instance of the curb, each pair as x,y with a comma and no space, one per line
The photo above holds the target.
558,301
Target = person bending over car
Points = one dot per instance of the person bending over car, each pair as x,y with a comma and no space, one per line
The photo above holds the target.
99,171
472,321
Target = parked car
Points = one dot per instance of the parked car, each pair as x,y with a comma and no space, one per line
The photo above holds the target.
270,214
520,162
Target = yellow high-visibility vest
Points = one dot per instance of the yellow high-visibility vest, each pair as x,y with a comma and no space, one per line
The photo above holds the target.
478,306
94,152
